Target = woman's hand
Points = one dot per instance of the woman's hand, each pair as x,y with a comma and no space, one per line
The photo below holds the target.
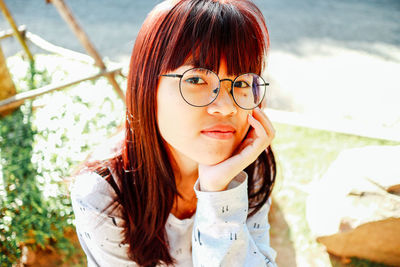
217,177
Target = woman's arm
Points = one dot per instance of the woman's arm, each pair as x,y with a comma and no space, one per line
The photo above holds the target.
222,235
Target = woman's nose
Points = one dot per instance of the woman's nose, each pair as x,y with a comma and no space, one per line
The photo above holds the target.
224,103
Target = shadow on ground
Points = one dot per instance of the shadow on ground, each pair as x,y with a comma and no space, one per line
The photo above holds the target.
280,237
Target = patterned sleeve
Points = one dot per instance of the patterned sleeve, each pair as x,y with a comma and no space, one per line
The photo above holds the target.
99,234
222,235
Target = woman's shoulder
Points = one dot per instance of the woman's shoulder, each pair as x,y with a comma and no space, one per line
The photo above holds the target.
88,179
88,182
90,190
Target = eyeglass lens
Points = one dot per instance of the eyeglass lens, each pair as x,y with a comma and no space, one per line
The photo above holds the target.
199,87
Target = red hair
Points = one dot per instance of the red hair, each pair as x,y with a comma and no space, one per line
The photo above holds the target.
200,32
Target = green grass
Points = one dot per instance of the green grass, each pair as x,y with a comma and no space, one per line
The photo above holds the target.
304,155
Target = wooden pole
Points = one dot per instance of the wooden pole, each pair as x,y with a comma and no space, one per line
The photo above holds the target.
49,47
13,25
10,33
7,88
19,99
66,14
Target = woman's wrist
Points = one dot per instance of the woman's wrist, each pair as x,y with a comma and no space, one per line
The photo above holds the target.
211,188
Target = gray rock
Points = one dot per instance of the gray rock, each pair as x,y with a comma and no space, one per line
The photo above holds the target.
354,210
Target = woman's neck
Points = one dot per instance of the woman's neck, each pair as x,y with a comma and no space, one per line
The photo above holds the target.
186,173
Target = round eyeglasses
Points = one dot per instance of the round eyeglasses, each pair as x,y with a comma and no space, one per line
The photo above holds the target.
200,87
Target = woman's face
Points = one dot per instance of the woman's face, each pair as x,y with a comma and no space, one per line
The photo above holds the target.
206,135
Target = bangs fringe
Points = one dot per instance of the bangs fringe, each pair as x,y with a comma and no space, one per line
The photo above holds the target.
201,33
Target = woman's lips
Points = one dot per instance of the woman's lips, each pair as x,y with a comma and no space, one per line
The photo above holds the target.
218,135
221,132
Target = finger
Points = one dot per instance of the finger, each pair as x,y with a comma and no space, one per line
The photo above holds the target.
248,141
263,138
258,127
264,120
256,141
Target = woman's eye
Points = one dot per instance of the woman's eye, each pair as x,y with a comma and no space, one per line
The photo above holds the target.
195,80
241,84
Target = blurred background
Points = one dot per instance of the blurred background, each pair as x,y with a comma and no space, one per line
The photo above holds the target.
332,58
334,69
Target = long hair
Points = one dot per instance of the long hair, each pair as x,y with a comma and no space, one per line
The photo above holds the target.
202,31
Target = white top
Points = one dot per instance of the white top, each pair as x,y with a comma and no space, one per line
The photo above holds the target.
218,234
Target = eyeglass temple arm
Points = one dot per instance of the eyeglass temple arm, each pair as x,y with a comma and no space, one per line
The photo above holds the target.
172,75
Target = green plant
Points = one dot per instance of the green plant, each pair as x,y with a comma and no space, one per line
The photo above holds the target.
27,218
64,126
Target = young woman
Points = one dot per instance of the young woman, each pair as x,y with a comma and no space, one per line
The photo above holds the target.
190,183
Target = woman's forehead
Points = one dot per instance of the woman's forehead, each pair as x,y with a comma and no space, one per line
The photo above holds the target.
219,66
221,71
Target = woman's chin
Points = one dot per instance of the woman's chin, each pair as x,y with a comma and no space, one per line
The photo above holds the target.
213,159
